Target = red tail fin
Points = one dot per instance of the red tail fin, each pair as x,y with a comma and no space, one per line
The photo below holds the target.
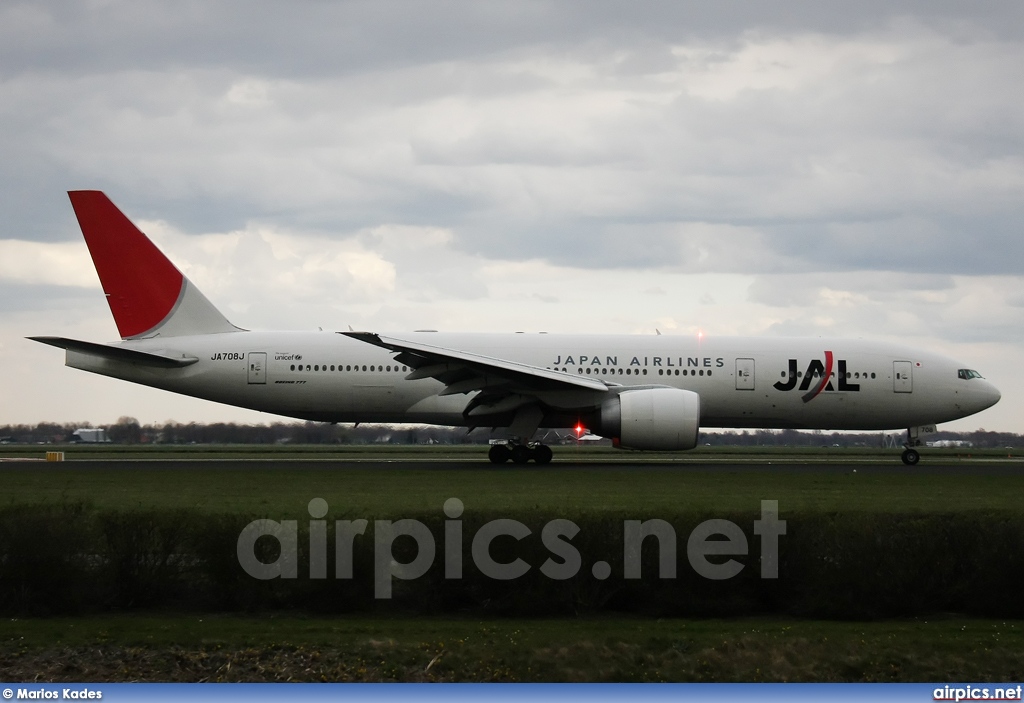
145,291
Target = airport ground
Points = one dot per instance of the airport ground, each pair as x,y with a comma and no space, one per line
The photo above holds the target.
210,647
396,481
283,644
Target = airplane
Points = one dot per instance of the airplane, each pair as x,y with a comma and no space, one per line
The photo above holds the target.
645,392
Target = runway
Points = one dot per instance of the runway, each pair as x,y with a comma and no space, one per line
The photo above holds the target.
967,467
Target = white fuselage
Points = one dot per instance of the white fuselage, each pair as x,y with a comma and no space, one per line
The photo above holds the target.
742,382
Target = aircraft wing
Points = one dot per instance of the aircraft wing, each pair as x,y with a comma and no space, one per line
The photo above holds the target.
118,353
465,372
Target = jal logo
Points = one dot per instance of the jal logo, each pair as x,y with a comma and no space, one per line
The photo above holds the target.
817,378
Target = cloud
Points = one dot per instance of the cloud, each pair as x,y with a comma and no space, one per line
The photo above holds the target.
46,263
812,144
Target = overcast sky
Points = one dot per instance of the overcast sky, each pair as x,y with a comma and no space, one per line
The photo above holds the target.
802,168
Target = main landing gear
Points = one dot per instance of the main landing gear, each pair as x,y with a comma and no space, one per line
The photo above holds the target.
519,453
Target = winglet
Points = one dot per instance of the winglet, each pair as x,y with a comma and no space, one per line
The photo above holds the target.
147,294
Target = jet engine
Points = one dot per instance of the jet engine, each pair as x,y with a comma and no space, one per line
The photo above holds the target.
652,418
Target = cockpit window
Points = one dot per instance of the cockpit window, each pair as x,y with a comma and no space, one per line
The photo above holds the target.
968,374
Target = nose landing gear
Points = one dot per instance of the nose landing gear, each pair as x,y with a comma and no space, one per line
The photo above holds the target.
520,453
910,456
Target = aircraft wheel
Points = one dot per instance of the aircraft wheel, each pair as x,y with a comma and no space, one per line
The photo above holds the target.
911,457
499,454
520,454
542,454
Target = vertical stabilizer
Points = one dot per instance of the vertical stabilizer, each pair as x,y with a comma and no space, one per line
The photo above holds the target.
147,294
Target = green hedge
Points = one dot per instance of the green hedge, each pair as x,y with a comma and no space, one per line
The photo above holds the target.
71,558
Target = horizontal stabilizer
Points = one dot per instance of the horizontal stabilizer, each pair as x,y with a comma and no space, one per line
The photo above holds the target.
107,351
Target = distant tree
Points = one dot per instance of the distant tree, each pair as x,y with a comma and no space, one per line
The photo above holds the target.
126,431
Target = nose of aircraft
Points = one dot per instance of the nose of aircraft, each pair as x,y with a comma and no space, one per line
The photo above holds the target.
985,395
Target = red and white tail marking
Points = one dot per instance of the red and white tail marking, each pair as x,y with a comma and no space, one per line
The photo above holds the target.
147,294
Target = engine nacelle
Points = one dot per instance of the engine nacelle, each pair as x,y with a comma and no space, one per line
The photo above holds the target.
664,419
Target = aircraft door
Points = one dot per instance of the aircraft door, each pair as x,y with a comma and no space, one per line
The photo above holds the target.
744,374
257,367
902,377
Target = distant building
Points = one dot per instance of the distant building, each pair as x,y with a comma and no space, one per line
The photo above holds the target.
569,438
89,435
950,443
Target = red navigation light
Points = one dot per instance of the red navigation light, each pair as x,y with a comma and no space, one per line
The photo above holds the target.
579,430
